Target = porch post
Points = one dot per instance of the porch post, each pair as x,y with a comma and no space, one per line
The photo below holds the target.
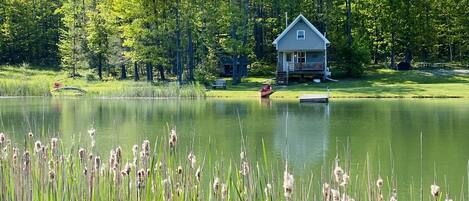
325,61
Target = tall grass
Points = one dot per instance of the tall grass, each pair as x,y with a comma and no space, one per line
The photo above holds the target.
24,88
143,89
46,169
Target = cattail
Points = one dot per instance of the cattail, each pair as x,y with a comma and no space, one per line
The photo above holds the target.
37,146
268,191
97,163
53,144
335,195
326,191
244,168
135,154
379,183
85,171
30,134
26,160
345,179
141,178
242,155
224,191
167,188
15,155
192,159
2,138
92,132
51,175
127,168
338,173
198,174
118,155
447,198
394,195
145,149
173,138
179,170
435,190
81,154
216,185
287,184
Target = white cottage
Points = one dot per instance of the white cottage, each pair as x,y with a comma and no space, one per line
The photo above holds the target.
302,51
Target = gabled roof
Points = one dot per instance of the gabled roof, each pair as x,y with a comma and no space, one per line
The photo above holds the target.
300,17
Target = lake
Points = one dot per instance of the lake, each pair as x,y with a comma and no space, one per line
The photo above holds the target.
309,135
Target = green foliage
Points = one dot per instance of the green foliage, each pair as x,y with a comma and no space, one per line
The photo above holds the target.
207,71
261,69
353,59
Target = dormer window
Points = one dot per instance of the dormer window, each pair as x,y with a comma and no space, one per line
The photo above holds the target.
300,35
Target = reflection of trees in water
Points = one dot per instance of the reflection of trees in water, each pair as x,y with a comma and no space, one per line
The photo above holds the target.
308,133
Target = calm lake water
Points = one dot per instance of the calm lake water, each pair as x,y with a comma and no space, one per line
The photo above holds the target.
315,131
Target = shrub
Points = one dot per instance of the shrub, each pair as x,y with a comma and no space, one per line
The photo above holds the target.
261,69
352,59
206,72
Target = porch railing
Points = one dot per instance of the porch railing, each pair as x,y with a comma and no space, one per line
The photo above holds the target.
307,66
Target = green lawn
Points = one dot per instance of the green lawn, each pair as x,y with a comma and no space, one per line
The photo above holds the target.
380,83
377,83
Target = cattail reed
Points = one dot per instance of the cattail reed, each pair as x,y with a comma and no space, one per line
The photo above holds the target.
244,168
81,154
216,185
287,184
197,174
97,163
268,191
179,170
335,195
435,191
37,147
192,159
173,138
2,138
326,191
30,134
141,178
224,191
53,145
26,160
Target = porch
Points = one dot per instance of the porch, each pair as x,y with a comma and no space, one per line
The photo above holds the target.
301,63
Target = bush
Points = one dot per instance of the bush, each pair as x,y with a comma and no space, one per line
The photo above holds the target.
352,59
207,71
261,69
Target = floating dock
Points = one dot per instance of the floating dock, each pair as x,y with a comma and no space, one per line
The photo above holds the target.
314,98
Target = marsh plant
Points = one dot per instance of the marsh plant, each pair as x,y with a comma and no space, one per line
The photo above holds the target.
43,169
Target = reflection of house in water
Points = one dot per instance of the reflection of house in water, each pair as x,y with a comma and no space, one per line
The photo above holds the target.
308,133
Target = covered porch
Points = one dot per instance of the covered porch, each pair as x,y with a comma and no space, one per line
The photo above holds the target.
301,63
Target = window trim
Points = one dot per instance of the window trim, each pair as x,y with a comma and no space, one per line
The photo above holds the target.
298,34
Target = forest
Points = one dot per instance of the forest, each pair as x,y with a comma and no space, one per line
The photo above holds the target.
157,40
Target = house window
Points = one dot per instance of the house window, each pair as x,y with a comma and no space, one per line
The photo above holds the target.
301,57
300,34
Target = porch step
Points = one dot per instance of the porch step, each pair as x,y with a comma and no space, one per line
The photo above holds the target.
282,78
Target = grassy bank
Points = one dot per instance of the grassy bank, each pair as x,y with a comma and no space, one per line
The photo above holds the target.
377,83
26,81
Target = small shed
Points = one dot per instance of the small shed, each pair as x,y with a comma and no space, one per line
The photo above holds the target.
301,50
226,66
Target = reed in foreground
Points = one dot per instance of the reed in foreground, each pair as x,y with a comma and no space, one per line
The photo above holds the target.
166,170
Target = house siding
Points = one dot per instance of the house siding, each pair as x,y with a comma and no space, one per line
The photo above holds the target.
289,42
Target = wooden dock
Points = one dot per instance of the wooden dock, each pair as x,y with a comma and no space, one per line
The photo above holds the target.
314,98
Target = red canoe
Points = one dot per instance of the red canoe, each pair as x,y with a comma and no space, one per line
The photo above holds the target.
266,90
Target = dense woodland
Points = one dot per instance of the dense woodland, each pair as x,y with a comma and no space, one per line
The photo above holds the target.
183,39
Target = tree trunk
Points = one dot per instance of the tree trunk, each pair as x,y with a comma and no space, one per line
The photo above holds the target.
149,72
136,76
123,72
161,70
178,44
100,68
349,23
190,53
